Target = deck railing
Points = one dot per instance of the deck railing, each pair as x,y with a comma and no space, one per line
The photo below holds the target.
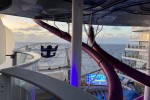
139,37
135,56
140,29
133,46
27,84
23,60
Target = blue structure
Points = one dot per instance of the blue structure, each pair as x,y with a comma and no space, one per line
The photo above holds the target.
130,94
100,79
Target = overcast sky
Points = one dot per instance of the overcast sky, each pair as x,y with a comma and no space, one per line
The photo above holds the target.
25,30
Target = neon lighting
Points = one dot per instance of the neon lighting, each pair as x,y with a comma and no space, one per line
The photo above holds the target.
99,80
74,76
33,93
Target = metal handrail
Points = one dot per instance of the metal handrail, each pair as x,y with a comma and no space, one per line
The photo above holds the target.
135,56
53,86
47,83
36,58
136,46
139,36
36,44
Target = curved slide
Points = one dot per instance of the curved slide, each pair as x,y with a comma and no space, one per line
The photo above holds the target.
139,98
129,71
113,79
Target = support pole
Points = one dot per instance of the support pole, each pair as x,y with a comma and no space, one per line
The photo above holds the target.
147,89
14,59
76,46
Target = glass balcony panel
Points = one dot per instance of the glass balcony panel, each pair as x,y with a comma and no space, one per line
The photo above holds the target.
133,46
136,56
22,90
139,37
140,29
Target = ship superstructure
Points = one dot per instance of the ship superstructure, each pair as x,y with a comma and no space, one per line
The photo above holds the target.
137,50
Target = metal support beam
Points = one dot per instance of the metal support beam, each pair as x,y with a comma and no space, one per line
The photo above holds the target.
147,89
76,47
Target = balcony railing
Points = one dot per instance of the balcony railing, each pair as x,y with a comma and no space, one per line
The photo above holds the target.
135,56
140,29
139,37
131,46
22,82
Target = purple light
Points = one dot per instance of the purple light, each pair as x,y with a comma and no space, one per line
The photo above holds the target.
33,93
75,81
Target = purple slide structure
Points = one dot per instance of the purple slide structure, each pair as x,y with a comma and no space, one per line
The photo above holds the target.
114,84
129,71
139,98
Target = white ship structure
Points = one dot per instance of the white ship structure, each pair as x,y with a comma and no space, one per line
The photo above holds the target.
137,51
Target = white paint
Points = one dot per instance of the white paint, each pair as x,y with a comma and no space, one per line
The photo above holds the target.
2,43
10,43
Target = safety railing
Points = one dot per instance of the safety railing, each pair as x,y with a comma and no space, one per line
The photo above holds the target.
139,37
140,29
135,57
22,82
23,89
132,46
50,65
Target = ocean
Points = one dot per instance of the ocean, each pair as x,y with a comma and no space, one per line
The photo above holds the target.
114,49
88,64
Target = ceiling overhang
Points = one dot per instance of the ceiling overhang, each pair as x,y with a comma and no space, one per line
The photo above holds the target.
104,12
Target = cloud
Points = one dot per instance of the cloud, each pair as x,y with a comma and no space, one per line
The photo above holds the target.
29,29
116,28
27,24
44,37
26,30
17,33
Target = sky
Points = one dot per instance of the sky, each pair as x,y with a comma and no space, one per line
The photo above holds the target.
25,30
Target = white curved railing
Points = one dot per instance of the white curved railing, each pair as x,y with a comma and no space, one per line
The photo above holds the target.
57,88
35,59
64,59
135,57
140,29
24,78
26,60
139,37
141,47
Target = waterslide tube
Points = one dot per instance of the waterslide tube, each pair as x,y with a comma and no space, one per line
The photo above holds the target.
139,98
129,71
115,89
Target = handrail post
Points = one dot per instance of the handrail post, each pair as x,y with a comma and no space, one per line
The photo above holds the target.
14,59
